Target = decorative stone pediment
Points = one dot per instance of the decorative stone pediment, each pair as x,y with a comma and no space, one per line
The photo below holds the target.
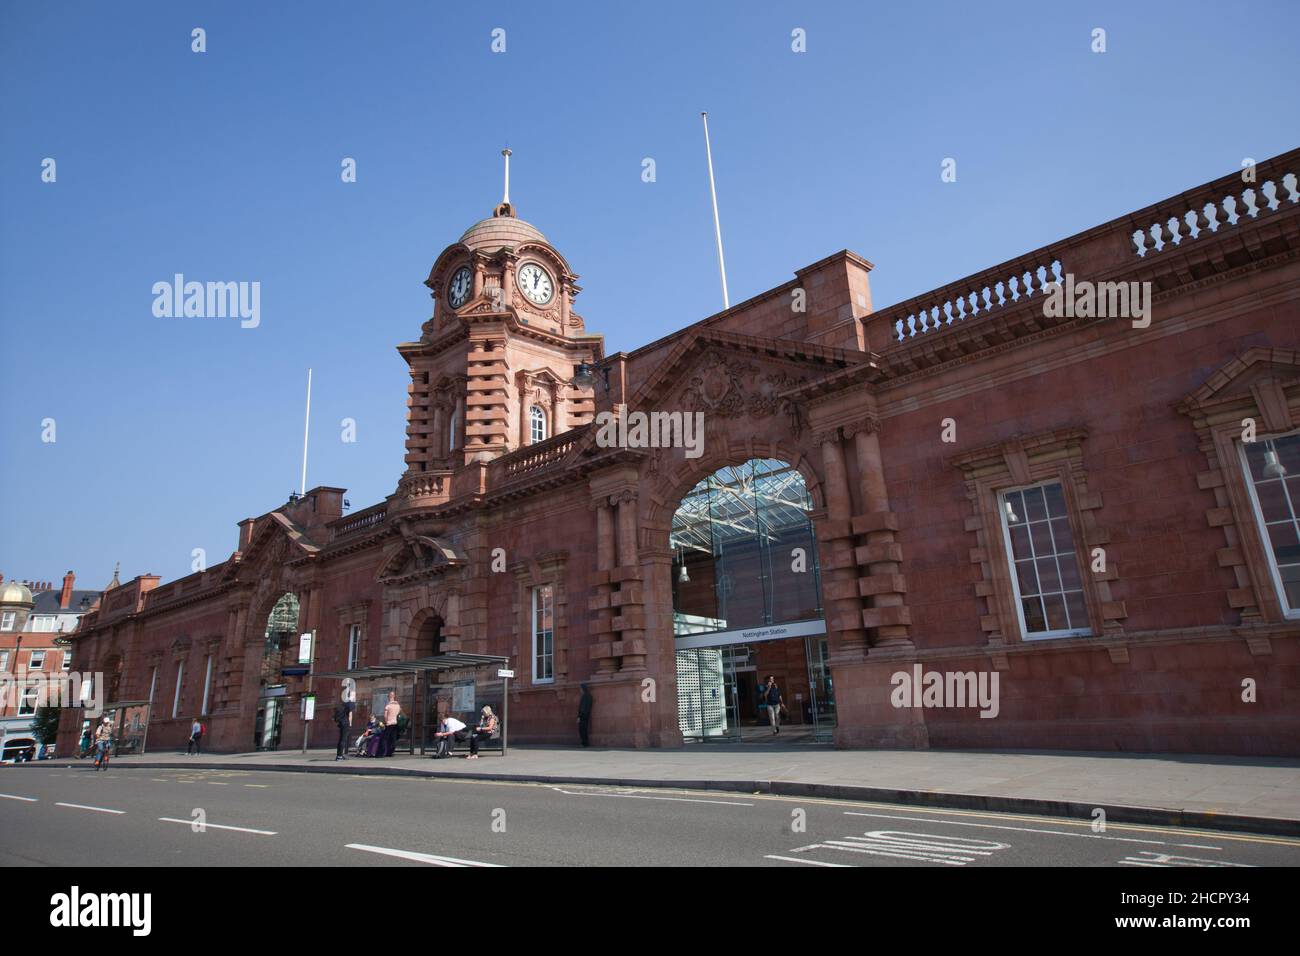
1255,382
415,556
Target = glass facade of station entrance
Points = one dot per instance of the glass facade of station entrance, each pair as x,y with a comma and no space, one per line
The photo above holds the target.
747,603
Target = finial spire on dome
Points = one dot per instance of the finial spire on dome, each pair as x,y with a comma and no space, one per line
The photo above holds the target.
505,208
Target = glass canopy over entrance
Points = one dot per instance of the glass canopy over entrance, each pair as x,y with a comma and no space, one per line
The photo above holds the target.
747,603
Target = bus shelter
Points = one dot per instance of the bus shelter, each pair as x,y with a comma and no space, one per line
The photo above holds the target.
429,689
130,725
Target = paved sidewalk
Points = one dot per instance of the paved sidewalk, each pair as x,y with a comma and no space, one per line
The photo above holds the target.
1240,793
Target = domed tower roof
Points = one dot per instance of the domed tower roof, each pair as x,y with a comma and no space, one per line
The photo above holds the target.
500,231
15,592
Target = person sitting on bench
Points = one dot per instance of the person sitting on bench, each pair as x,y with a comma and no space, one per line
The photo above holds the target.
450,731
486,730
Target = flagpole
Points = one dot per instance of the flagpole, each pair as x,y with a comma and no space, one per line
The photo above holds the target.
717,225
306,430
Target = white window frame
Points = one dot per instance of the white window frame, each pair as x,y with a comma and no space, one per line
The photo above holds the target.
7,620
4,660
354,646
34,692
207,686
66,662
1261,527
176,699
537,423
1025,635
548,657
36,661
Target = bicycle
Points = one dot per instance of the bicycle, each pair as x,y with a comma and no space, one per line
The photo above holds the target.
104,750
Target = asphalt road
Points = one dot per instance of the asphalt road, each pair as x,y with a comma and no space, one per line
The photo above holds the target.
125,817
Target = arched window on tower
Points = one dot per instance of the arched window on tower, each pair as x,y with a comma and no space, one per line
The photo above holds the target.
537,423
451,430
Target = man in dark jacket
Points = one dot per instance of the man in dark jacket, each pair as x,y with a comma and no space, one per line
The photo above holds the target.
584,716
343,719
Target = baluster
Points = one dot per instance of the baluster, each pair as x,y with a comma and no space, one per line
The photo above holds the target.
898,329
1139,243
988,294
974,303
1211,214
1174,235
911,326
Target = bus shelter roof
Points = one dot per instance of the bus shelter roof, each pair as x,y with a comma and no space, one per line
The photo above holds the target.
438,662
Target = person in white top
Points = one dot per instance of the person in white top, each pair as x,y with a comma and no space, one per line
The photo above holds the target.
449,732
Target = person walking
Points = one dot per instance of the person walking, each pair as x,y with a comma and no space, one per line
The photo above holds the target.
392,710
343,720
584,715
772,695
196,738
103,743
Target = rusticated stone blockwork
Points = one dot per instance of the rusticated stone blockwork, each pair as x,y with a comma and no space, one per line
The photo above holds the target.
995,487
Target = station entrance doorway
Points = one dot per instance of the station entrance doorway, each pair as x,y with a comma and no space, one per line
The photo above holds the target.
747,608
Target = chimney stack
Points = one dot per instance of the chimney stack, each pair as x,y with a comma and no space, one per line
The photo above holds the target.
65,598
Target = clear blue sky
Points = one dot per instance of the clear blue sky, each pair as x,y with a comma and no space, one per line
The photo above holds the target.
225,166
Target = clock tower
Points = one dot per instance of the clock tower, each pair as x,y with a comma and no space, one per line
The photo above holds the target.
492,371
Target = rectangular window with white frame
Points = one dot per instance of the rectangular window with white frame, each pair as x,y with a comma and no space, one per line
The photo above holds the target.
37,661
27,703
4,660
543,634
354,646
7,620
176,700
67,660
1272,468
1044,562
207,686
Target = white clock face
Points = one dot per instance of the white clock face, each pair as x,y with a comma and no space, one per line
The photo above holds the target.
458,291
535,282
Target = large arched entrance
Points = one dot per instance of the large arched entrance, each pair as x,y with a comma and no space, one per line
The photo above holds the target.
747,605
280,648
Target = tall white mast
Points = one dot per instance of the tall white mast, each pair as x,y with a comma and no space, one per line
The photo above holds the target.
717,225
306,430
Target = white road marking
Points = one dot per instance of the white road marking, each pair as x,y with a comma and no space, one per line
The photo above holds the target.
418,857
995,826
259,786
1151,858
218,826
791,859
643,796
10,796
922,847
79,806
214,783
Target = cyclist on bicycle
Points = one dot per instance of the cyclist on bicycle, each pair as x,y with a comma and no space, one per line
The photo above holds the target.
103,744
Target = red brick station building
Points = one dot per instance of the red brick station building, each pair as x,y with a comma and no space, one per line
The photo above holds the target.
1101,512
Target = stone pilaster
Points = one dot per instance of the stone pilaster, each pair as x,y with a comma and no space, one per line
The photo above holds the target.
846,635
